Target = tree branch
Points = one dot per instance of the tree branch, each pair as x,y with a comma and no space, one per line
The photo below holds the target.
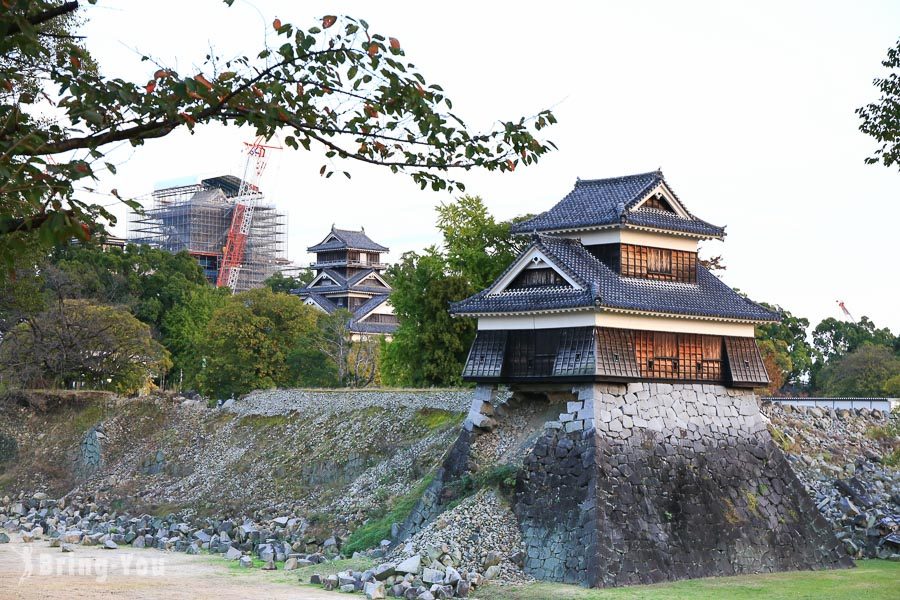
43,17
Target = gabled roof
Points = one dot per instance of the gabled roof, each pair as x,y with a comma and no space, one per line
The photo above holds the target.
604,288
322,302
357,323
342,284
616,201
343,239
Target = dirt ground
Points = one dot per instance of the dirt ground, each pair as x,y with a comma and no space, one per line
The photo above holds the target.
32,571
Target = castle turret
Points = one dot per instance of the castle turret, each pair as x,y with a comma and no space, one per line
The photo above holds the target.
610,289
655,462
349,270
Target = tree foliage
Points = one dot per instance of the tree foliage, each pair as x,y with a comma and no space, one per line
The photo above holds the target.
867,371
476,246
77,342
284,284
881,119
149,281
429,347
336,85
247,342
791,350
833,338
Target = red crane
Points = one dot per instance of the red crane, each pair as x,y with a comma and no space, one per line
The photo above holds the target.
234,252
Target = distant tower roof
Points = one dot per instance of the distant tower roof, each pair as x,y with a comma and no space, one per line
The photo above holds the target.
346,239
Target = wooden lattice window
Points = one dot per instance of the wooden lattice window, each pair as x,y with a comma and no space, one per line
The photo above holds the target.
659,261
678,356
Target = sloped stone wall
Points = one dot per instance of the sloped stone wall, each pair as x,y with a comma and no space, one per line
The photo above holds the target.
650,482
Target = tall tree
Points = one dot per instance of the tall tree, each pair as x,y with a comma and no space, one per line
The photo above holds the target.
336,85
150,281
285,283
867,371
833,338
353,356
183,327
881,119
79,342
788,337
247,342
477,247
429,347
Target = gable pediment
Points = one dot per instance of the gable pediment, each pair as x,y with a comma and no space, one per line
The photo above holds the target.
534,269
373,280
662,198
323,280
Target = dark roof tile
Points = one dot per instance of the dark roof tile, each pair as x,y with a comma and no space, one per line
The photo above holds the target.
346,238
603,287
598,202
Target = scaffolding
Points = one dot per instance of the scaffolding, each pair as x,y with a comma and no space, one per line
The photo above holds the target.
197,218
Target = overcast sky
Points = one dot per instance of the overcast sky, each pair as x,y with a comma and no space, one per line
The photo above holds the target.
748,108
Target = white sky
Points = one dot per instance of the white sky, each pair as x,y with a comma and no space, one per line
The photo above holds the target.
746,106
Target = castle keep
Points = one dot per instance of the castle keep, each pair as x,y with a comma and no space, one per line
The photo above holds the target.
348,269
659,465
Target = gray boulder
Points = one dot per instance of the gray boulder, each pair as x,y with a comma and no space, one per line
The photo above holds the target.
432,576
411,565
374,590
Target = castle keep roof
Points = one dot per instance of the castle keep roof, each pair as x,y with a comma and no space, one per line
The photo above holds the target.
601,287
345,239
617,201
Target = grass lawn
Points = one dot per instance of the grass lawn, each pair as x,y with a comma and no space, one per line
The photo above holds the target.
870,580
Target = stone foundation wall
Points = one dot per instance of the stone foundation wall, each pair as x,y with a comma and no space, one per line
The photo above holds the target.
650,482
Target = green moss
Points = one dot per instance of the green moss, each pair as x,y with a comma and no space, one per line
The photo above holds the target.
892,459
872,579
370,534
752,502
433,419
264,422
87,417
731,514
500,477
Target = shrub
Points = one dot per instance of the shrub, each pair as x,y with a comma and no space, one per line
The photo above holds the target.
371,533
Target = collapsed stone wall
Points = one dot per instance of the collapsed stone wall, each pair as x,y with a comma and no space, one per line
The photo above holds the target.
650,482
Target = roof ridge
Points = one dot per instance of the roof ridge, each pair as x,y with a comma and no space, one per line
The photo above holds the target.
620,177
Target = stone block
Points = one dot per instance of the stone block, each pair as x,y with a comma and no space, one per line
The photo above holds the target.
574,426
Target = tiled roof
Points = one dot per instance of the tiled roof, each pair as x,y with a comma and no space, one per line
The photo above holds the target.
598,202
329,306
365,327
326,304
345,238
603,287
370,305
342,284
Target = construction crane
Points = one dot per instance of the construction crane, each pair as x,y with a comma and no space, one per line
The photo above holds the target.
234,252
